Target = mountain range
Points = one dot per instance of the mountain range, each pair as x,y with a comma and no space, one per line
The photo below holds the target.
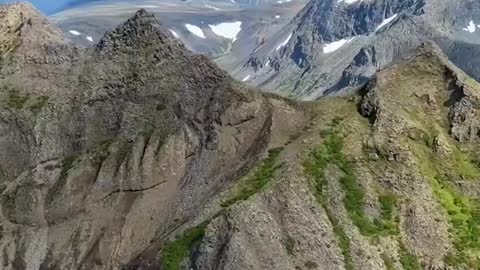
336,46
216,28
132,152
298,49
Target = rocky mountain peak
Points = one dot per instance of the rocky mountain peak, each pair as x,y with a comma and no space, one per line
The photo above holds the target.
143,29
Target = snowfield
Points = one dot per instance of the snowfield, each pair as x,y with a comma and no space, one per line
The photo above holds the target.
285,42
212,7
386,21
173,33
333,46
349,1
471,27
227,30
197,31
75,32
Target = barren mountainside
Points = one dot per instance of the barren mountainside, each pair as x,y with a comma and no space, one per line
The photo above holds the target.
137,154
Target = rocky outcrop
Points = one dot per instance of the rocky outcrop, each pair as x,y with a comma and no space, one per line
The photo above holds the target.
464,114
464,117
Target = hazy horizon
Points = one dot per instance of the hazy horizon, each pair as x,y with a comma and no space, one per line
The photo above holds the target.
50,6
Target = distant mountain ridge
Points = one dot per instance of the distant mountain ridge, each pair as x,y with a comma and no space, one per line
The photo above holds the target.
74,3
84,24
343,44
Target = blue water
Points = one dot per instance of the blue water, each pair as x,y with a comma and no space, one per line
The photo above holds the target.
52,6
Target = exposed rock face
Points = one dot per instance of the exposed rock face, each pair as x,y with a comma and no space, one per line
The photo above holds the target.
464,117
254,234
464,114
107,150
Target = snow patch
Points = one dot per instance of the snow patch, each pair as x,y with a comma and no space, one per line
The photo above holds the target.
333,46
146,6
277,16
212,7
386,21
285,42
349,1
246,78
228,30
197,31
75,32
173,33
90,38
471,27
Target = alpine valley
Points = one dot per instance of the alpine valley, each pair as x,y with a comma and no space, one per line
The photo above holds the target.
233,135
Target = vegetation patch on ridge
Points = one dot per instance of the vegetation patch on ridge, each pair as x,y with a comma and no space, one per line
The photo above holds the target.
12,98
330,152
289,244
408,260
466,166
389,264
175,251
15,100
315,167
260,178
462,211
96,154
